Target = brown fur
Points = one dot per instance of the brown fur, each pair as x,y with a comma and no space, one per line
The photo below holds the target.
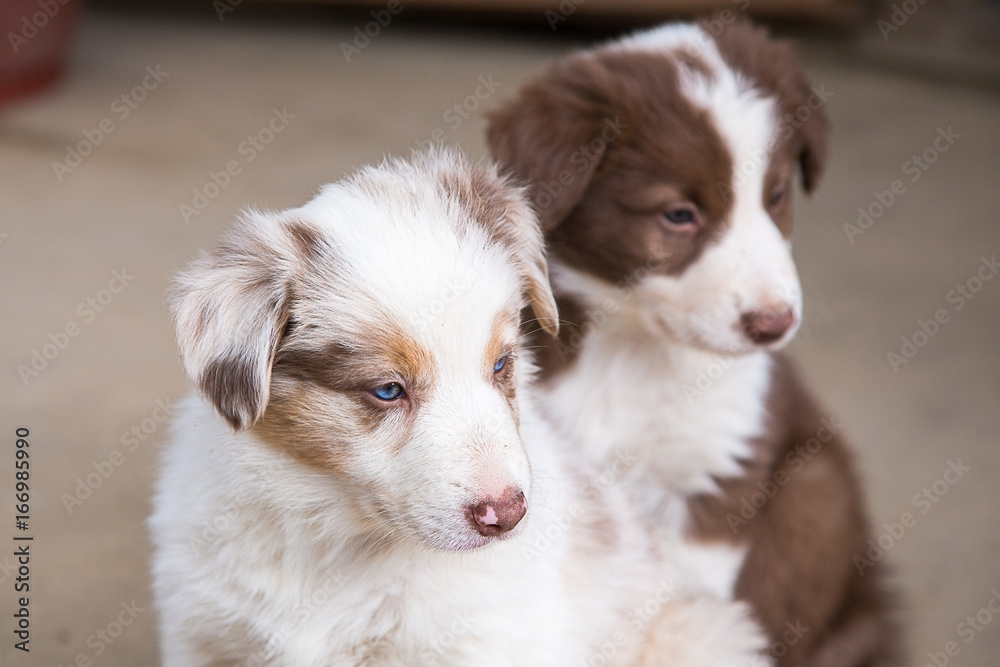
799,566
602,220
547,139
351,368
773,67
548,134
307,240
508,222
553,355
341,375
234,380
291,423
504,331
233,385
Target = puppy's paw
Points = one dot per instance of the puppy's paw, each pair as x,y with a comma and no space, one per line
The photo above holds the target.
705,632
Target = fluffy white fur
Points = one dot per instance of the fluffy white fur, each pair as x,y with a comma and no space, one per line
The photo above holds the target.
263,559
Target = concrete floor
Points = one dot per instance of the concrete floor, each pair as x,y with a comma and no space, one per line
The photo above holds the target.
62,242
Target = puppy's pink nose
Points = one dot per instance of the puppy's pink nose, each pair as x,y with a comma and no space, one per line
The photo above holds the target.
496,516
767,326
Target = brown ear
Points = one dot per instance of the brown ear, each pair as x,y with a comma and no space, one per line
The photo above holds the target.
553,136
230,307
813,135
773,66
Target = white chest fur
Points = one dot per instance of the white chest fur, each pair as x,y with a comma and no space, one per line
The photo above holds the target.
302,586
678,416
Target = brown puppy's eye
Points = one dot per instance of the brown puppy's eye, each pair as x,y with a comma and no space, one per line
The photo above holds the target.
681,216
777,197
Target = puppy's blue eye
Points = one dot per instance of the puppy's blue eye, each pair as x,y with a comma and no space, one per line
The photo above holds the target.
389,392
500,364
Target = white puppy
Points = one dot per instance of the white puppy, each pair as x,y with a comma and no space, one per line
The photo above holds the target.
365,481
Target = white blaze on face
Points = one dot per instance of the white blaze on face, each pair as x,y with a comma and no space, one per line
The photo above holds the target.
748,269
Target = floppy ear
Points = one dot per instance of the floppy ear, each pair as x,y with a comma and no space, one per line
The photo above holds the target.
550,136
803,118
813,135
529,255
230,308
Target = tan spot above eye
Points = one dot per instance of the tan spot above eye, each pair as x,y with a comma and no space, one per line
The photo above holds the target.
409,357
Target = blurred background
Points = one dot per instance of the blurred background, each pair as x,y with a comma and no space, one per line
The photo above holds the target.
130,137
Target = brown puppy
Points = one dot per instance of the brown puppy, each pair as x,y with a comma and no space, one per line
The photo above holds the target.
662,168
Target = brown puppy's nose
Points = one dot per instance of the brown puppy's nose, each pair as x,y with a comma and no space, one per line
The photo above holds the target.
495,516
767,326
